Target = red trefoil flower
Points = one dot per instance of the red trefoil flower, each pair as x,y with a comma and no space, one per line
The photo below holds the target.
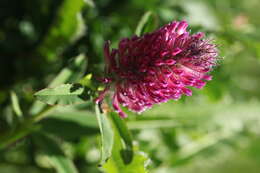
157,67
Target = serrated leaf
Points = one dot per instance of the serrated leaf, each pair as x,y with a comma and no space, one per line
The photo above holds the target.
147,23
66,94
73,72
16,105
107,135
56,157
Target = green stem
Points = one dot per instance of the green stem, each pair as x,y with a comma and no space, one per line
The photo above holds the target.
25,128
43,114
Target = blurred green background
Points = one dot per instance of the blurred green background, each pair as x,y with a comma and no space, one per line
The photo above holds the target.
216,130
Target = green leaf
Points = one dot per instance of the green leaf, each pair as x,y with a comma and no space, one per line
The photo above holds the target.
55,156
125,134
86,81
66,94
116,165
147,23
74,123
107,135
68,25
72,73
16,105
121,160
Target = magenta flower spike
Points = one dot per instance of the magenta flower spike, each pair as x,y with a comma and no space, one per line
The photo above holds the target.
157,67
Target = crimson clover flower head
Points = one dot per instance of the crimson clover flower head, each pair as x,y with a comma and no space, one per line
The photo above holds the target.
157,67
